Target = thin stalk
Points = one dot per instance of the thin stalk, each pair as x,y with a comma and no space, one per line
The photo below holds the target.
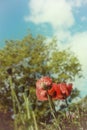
13,101
67,107
14,94
35,122
52,112
29,114
27,106
14,97
31,128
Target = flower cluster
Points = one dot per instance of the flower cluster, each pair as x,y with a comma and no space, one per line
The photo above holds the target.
44,87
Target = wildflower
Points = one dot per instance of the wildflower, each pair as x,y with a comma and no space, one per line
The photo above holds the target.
55,92
44,82
65,89
41,94
44,87
60,91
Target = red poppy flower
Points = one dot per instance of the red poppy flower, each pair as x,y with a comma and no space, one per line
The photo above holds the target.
69,87
66,89
42,85
41,94
56,91
44,82
60,91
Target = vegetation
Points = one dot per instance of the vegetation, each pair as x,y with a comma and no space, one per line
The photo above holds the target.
21,64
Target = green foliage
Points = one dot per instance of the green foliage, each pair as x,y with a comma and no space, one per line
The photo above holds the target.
65,65
27,60
75,93
37,56
31,58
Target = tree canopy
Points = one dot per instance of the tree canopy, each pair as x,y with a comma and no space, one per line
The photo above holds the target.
33,57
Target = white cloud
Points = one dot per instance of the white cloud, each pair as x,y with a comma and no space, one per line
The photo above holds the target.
77,3
78,44
63,36
84,18
56,12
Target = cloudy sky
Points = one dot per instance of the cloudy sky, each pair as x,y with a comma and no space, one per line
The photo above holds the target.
65,19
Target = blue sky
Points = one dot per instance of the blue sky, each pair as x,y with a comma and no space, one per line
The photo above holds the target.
65,19
12,23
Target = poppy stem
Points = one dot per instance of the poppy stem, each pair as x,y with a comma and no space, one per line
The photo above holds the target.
52,112
67,107
66,102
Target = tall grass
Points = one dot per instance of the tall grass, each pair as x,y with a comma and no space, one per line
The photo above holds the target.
24,116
